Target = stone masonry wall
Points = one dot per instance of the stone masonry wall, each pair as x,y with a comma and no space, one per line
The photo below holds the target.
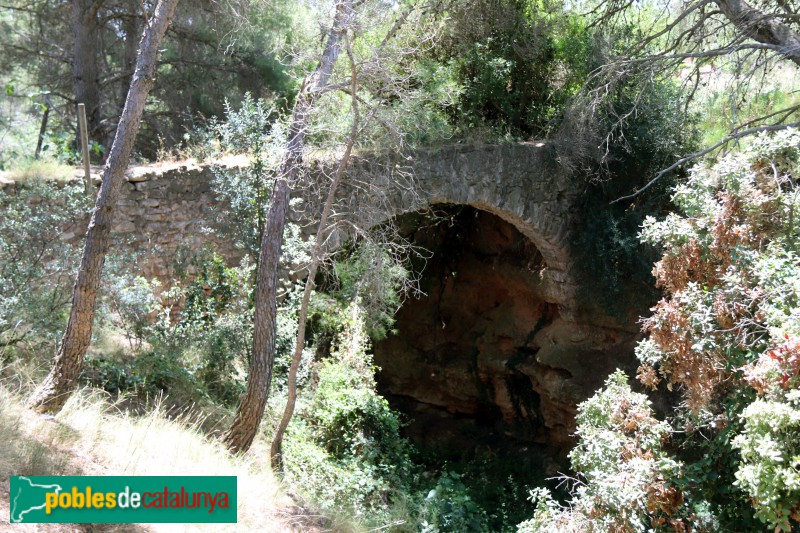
164,209
167,207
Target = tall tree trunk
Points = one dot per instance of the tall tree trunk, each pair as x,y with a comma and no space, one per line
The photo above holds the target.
62,380
251,406
131,26
85,67
276,449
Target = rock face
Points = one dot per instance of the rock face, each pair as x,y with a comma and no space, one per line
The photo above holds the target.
487,355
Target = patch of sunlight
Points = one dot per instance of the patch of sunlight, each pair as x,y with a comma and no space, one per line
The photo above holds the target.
92,436
27,169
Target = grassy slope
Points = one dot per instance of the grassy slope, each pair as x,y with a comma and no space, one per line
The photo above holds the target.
92,437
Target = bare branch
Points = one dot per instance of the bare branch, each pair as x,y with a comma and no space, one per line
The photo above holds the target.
700,153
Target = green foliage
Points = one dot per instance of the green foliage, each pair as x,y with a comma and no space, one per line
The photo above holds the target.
376,280
247,129
148,375
211,53
730,269
352,419
214,327
213,290
449,507
133,304
770,450
192,338
645,129
517,63
257,131
285,339
726,104
343,445
36,265
729,263
726,337
629,478
475,493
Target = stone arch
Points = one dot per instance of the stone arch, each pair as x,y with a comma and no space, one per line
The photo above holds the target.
464,363
521,183
524,384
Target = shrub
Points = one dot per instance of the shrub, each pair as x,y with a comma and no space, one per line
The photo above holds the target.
36,265
770,451
195,336
344,445
628,480
725,336
448,506
377,280
132,305
148,376
729,270
213,329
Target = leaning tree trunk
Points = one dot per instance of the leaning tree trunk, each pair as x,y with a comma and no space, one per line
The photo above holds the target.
276,459
276,449
251,406
131,27
763,28
62,380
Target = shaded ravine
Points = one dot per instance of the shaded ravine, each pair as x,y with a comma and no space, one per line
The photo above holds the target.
486,362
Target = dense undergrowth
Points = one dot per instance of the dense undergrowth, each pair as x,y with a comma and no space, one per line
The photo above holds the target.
725,338
168,361
179,351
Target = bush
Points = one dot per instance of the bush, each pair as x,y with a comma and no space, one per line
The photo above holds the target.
770,451
515,64
132,304
147,376
195,337
448,506
370,275
344,445
36,265
725,337
628,480
213,329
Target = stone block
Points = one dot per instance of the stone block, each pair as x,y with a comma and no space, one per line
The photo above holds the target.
138,174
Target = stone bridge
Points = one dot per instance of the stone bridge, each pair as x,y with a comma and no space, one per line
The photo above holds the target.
521,184
501,349
168,206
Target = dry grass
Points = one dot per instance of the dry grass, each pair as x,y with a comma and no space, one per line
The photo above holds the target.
92,436
44,169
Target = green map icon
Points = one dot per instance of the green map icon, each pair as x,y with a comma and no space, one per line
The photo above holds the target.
28,497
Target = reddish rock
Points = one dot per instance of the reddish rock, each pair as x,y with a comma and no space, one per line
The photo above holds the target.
486,355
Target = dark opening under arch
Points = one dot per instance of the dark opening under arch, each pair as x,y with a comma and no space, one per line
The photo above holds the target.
485,361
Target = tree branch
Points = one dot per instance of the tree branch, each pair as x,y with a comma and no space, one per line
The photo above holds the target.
762,27
701,153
